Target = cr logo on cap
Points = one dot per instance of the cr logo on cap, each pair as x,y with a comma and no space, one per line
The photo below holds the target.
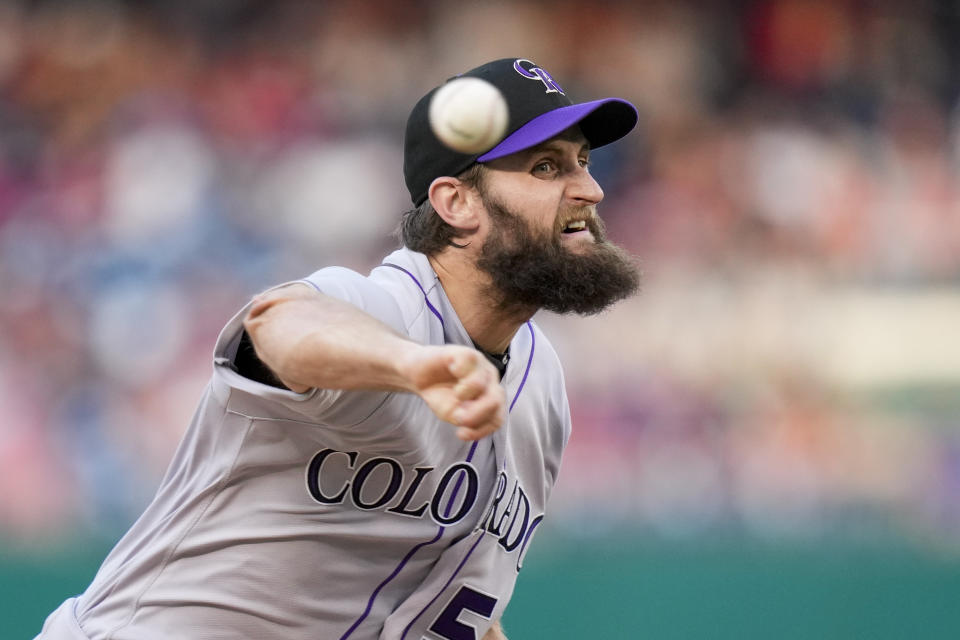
536,73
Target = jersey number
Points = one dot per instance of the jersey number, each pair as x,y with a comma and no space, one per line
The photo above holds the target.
448,626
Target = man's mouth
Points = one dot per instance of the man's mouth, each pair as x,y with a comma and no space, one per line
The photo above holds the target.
575,226
576,233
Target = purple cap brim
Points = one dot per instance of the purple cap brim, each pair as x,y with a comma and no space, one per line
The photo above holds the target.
602,122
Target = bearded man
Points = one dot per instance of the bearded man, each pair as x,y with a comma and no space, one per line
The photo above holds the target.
374,454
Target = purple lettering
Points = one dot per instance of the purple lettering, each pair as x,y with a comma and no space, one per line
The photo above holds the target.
526,541
396,476
472,483
536,73
313,476
498,530
401,507
523,505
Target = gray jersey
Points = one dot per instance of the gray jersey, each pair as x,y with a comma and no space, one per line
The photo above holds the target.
335,514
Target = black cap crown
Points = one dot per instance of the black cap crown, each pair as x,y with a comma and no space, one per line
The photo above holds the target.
538,110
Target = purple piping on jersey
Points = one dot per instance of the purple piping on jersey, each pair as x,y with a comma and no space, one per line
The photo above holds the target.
453,497
425,298
447,584
386,580
533,344
305,281
456,487
406,558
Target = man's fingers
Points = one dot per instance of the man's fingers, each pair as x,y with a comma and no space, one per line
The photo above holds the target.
471,398
463,363
469,435
481,417
481,431
472,385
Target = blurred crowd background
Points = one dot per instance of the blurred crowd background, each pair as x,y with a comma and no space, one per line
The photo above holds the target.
790,372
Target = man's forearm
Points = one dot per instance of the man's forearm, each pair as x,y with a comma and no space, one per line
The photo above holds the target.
311,340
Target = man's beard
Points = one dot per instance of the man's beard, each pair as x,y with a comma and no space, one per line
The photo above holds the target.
534,270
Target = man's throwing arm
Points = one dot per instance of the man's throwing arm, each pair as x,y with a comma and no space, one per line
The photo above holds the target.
311,340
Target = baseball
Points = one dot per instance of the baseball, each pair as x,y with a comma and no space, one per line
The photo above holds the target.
468,115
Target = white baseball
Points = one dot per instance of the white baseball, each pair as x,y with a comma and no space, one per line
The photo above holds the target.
468,115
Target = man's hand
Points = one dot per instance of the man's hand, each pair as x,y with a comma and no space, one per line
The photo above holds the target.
495,633
459,386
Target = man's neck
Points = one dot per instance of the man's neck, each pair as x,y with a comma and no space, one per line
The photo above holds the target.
488,325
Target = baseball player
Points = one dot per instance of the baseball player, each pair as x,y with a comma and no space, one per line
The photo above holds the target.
373,454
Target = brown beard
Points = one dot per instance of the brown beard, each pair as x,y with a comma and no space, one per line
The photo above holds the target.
531,270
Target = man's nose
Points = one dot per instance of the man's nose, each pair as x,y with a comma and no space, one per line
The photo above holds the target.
584,188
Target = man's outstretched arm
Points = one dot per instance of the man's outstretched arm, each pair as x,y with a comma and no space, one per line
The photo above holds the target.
310,340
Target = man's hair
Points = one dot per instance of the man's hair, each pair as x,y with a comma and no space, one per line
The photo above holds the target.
422,229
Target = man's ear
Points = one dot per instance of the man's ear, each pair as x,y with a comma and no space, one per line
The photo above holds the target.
456,203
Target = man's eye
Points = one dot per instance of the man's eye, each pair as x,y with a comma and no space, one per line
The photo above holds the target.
543,167
585,163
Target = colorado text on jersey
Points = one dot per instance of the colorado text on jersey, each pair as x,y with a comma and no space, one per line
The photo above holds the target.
383,483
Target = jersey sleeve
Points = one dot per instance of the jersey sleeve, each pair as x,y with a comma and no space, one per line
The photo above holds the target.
327,407
361,292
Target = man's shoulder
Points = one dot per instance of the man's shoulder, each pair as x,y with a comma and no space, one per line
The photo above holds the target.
335,279
531,339
409,278
541,342
407,267
400,270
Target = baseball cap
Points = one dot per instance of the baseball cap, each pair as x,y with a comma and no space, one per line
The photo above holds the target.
538,110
